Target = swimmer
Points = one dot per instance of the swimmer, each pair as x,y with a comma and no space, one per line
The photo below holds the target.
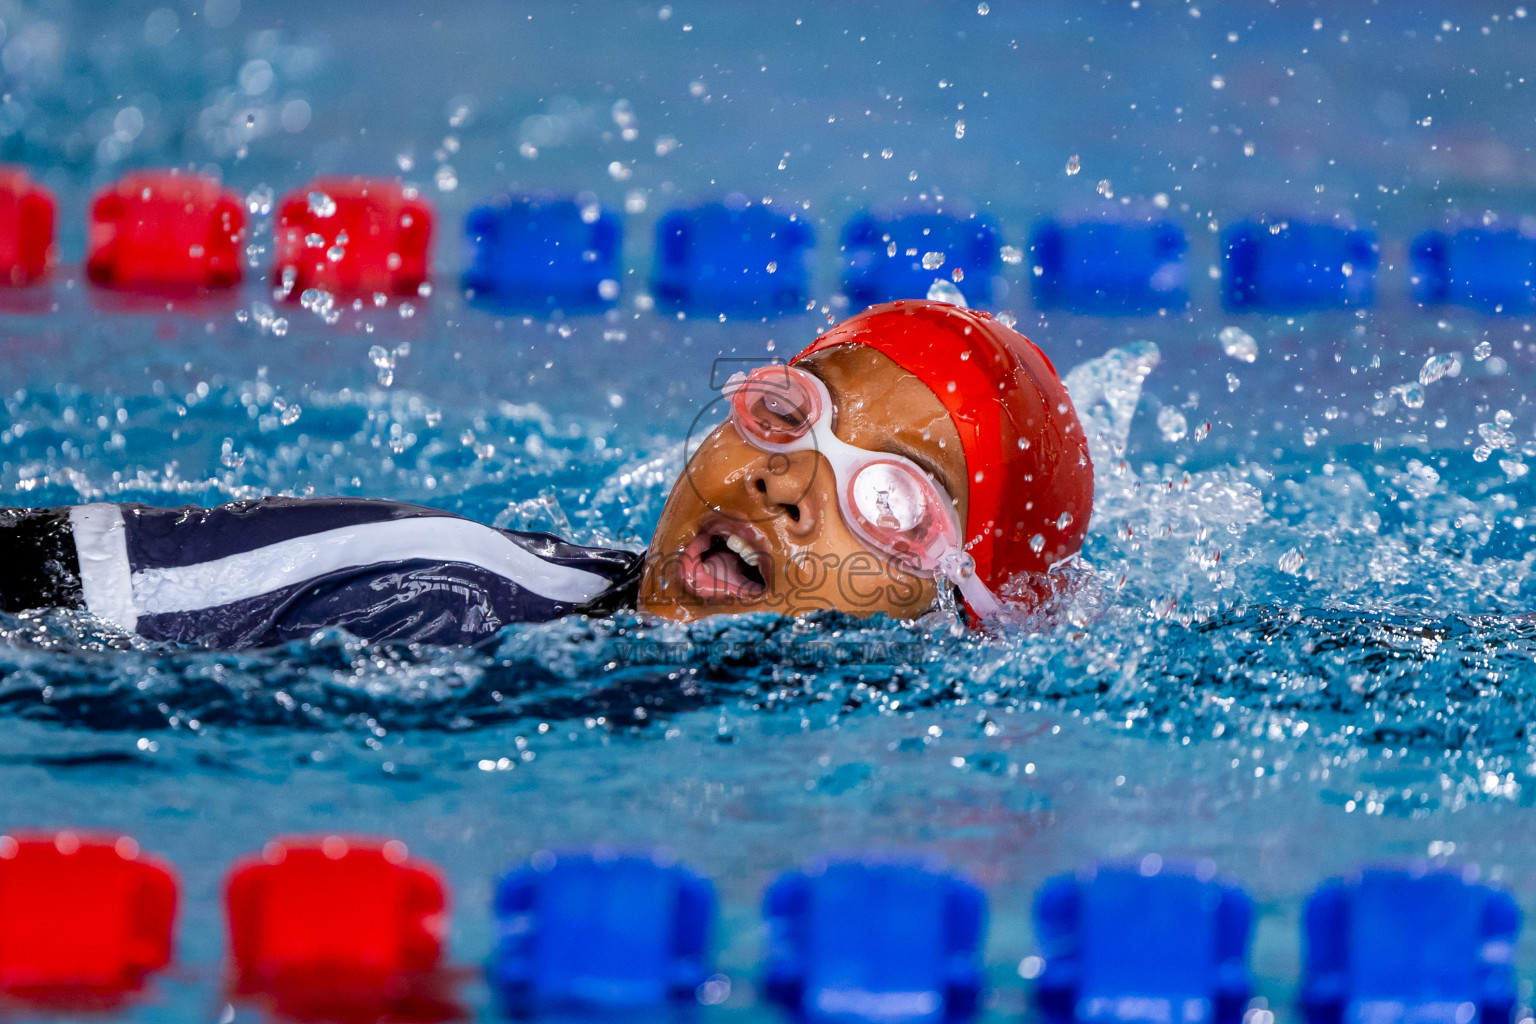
915,447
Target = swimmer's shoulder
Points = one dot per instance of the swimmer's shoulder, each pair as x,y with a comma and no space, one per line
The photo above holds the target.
341,511
193,533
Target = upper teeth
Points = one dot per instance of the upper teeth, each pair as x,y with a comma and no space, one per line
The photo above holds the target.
741,548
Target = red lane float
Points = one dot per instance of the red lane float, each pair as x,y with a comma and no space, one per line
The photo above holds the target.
352,236
26,228
165,231
339,925
81,915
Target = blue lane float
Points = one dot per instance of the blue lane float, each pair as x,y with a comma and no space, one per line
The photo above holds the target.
732,257
1394,946
899,255
1277,266
594,931
1101,267
1492,270
1143,944
868,940
542,252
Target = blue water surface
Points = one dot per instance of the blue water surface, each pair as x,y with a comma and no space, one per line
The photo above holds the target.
1299,637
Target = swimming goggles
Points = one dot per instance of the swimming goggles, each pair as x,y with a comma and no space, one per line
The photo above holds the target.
890,503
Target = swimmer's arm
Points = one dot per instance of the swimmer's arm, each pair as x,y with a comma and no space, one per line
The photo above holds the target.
414,602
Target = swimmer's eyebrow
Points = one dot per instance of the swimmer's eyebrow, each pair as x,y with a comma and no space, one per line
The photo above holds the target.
895,446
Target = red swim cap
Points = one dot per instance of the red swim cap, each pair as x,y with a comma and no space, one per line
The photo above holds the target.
1026,456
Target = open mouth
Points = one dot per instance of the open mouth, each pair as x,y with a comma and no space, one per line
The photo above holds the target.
725,564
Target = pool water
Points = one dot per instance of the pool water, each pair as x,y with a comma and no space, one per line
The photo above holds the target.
1299,641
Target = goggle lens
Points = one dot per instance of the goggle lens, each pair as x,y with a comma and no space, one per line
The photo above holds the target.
774,405
901,512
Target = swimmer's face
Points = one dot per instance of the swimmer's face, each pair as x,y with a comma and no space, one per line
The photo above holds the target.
746,530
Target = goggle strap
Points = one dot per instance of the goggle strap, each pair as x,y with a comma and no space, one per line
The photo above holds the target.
976,594
961,571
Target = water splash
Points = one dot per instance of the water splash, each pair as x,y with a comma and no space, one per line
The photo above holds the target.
1105,392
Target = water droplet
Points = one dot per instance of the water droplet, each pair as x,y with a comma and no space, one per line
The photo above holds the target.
315,240
1172,424
1011,254
335,253
1105,189
1411,395
1218,82
773,267
960,129
384,361
447,180
1483,351
1073,165
1064,520
407,311
322,205
1446,364
1037,543
1007,319
933,260
1291,562
1238,344
983,8
943,291
259,201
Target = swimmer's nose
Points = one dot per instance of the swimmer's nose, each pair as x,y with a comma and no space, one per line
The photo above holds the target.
783,484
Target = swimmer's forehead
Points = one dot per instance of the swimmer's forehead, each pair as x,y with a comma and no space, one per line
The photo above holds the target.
882,407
